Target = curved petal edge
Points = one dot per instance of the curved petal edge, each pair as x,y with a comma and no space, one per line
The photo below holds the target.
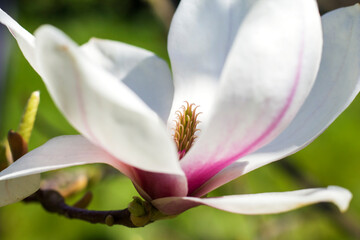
260,203
26,40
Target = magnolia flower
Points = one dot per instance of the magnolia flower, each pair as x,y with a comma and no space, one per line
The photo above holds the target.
246,73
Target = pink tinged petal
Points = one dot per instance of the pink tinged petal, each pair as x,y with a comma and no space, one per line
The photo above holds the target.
67,151
14,190
261,203
102,108
268,74
201,36
25,39
336,86
140,70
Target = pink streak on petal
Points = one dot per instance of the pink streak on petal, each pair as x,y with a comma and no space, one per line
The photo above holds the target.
200,176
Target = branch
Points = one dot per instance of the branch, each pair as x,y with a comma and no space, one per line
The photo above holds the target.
53,202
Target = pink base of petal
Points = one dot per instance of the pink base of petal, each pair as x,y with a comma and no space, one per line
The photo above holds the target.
152,185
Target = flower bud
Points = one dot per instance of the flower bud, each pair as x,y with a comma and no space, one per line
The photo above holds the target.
136,207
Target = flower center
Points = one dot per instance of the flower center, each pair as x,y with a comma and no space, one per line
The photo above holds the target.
185,128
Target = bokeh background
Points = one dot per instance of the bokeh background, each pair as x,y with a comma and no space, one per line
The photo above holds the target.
332,159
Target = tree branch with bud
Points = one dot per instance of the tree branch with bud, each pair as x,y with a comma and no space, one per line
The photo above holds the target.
138,214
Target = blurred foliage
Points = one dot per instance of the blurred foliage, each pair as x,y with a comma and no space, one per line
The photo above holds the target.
63,8
328,5
333,159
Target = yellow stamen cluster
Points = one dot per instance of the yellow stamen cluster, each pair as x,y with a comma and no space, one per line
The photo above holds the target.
185,128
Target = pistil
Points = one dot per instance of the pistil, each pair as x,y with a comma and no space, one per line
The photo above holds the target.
185,128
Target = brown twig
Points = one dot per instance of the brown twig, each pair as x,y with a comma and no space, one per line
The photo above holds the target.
53,202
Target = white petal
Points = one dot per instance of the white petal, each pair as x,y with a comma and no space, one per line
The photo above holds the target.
201,35
261,203
140,70
268,74
17,189
102,108
59,152
25,39
336,86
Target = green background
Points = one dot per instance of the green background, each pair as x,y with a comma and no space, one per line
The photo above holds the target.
332,159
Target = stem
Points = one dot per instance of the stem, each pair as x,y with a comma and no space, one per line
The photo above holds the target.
53,202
